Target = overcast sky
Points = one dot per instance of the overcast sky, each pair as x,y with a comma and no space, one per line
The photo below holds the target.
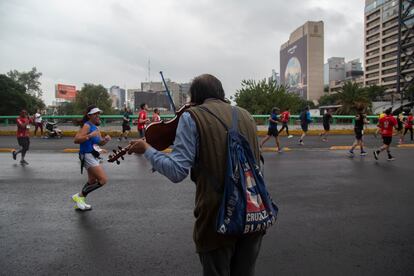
109,42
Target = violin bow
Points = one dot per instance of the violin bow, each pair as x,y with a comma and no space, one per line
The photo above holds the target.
168,93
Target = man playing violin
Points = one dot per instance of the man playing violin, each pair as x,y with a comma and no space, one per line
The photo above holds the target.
200,146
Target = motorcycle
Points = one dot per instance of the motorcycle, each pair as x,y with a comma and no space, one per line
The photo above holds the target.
52,130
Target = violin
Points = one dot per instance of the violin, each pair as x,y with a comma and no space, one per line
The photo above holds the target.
160,135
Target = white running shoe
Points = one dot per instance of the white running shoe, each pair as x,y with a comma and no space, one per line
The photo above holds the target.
80,202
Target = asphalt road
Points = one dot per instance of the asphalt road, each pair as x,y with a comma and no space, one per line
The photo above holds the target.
311,142
338,216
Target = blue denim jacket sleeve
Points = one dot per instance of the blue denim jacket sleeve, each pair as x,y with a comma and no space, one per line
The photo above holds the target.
176,165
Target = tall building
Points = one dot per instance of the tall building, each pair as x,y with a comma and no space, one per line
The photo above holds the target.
337,72
301,61
118,101
353,69
381,44
334,70
130,98
179,91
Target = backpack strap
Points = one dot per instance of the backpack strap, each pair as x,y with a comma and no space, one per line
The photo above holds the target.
234,120
214,115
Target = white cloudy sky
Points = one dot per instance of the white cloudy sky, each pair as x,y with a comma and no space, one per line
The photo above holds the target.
109,42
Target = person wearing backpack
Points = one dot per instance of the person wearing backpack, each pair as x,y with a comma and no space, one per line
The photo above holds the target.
201,146
305,120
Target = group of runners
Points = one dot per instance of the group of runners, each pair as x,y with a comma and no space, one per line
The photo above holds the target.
141,122
386,125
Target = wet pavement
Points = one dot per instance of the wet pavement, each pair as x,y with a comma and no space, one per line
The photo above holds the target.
338,216
311,142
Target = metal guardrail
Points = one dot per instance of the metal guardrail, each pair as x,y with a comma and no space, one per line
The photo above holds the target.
260,119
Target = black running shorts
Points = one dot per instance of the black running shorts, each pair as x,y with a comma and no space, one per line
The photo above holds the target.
126,128
273,132
304,127
358,133
387,140
24,142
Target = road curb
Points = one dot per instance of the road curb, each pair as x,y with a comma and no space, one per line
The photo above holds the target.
71,150
274,149
406,146
342,147
7,149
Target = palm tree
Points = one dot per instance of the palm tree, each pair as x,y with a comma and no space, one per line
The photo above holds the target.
352,97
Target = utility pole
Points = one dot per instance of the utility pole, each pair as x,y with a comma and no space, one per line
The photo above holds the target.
405,55
149,70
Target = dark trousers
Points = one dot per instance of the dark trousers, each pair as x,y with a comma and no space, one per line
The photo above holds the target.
37,126
236,260
411,132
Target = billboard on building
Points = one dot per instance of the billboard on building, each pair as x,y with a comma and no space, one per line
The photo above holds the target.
64,91
293,67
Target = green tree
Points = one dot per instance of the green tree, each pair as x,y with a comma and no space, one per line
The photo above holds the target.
30,80
14,98
92,94
66,108
261,96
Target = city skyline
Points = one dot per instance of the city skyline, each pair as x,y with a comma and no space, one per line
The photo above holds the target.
110,43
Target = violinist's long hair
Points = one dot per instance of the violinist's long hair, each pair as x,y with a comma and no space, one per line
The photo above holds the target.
204,87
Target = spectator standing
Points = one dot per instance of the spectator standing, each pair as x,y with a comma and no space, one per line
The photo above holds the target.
38,123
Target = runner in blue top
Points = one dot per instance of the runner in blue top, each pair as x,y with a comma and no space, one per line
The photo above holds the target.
272,131
305,120
89,137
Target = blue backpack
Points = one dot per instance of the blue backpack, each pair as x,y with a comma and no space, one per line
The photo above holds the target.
246,206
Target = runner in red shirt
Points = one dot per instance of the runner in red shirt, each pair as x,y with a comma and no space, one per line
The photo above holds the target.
284,118
23,125
387,125
156,115
142,120
408,125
